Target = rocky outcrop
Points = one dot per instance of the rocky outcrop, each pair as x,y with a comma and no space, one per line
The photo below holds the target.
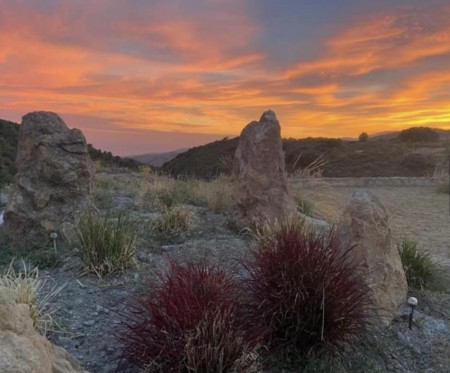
22,349
260,186
53,177
365,224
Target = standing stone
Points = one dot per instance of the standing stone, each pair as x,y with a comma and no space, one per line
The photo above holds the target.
260,186
365,224
53,179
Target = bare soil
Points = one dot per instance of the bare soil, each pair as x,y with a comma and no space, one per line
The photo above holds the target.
419,213
89,310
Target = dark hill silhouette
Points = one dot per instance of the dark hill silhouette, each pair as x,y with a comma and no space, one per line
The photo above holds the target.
381,156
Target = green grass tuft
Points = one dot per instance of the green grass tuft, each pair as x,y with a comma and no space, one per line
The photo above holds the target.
420,269
107,245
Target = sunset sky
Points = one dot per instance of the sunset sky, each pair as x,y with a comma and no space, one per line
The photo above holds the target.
142,76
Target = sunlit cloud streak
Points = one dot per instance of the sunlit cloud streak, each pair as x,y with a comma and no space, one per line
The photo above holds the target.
199,67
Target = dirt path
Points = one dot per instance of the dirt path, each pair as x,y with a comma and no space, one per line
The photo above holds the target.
419,213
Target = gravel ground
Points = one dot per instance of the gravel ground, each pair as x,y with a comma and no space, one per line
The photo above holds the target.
88,310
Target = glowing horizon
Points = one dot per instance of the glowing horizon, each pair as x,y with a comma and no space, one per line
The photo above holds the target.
141,77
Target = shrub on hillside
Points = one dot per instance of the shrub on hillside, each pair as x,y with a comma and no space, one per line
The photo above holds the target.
9,138
107,245
188,321
304,288
363,137
418,164
418,134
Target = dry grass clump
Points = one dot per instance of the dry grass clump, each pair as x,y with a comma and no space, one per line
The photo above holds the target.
218,195
107,245
27,288
312,170
166,192
304,205
173,222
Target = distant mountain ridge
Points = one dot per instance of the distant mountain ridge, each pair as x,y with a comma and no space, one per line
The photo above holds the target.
157,159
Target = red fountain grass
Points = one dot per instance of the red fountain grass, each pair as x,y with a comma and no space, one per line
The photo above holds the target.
188,321
305,288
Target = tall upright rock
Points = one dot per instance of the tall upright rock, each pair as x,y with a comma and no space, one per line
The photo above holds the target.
53,179
260,186
365,224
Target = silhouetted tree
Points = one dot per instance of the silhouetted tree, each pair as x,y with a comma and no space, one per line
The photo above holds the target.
363,137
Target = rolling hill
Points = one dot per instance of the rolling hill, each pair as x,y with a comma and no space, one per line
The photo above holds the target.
384,155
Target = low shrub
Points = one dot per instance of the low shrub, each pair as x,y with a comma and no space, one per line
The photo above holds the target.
27,288
188,321
305,289
173,221
420,269
107,245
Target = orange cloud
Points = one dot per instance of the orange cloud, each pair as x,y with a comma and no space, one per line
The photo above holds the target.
178,73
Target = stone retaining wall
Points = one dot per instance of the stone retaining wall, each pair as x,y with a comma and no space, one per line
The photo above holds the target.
365,182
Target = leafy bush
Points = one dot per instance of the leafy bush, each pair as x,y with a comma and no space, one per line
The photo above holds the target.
173,221
418,164
420,269
27,288
363,136
303,286
107,245
188,322
418,134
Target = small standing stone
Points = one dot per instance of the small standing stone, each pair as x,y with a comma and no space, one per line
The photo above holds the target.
365,224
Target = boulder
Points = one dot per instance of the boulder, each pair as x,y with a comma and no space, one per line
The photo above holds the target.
22,349
365,224
260,186
53,179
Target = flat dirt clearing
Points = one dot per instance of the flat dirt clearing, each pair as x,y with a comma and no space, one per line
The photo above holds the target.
419,213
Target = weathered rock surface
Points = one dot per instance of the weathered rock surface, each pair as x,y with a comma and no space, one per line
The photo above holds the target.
53,177
365,224
22,349
260,186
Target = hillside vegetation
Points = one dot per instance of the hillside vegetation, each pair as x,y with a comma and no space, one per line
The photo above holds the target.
407,154
9,136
